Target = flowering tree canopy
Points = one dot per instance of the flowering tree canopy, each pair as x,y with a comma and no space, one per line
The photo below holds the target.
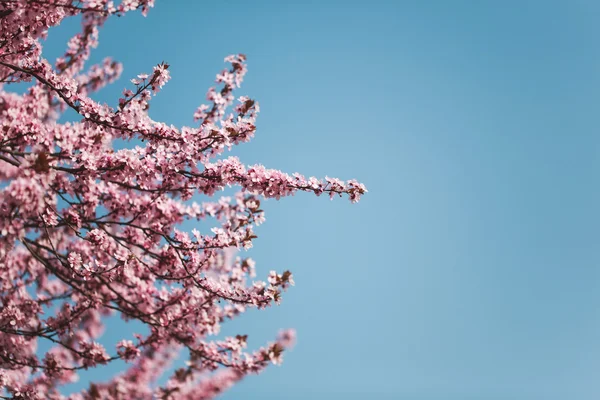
88,230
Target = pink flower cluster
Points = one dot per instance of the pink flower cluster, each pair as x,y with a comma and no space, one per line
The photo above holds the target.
87,231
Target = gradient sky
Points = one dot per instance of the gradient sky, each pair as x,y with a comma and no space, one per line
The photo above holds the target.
471,268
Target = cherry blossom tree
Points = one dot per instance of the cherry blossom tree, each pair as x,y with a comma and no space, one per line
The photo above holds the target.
88,230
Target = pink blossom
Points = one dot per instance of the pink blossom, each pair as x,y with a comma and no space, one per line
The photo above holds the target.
92,353
127,350
87,230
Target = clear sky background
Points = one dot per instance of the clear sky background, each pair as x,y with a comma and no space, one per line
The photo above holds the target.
471,268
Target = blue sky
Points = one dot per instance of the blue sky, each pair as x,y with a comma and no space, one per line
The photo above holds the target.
470,270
